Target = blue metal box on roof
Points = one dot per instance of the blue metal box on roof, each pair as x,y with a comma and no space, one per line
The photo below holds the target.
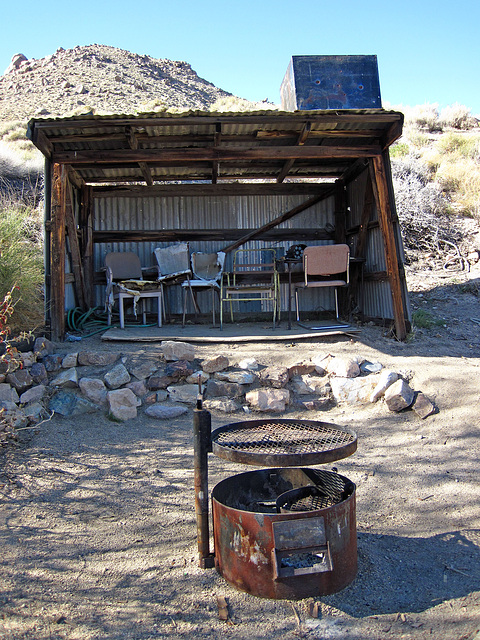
331,82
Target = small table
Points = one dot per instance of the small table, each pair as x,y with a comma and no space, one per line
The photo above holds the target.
289,263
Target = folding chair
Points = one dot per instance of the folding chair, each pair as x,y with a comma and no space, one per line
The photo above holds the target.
125,282
207,271
320,264
173,264
251,280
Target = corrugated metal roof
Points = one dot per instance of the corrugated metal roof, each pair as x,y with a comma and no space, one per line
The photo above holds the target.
214,146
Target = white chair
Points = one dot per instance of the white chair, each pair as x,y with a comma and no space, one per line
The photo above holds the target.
173,264
125,282
320,266
207,271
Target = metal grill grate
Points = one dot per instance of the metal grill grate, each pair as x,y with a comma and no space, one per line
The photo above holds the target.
312,503
288,442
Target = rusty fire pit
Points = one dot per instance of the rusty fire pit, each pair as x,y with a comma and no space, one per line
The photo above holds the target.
281,552
284,532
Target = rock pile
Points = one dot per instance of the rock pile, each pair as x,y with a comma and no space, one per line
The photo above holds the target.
42,382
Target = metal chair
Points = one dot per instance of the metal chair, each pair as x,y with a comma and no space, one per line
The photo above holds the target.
173,264
324,262
251,280
125,282
207,271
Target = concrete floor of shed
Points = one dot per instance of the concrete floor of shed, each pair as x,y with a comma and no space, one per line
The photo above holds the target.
231,333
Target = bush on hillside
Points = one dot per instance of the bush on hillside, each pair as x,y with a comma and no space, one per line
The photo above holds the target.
21,262
457,116
20,179
421,206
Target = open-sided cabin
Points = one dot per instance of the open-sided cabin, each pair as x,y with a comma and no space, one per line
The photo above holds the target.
220,181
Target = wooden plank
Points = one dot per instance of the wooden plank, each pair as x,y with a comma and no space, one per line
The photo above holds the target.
216,142
133,143
86,226
367,210
220,189
340,212
302,138
361,244
57,253
74,250
382,200
213,235
274,223
209,154
202,171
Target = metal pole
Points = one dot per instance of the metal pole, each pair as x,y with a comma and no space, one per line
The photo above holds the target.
202,429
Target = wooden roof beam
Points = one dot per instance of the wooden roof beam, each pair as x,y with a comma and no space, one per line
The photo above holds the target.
217,138
133,143
209,154
300,142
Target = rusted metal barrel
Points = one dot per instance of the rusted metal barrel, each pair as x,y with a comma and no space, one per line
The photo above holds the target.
290,555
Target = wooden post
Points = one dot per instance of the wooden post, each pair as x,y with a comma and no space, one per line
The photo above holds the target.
86,226
340,212
57,252
361,245
74,250
382,200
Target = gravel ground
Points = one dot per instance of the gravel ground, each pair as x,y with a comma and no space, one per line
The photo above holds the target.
98,531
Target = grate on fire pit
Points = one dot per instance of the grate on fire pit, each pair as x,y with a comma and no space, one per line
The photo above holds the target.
283,442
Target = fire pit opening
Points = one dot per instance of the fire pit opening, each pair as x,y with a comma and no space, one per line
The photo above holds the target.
284,490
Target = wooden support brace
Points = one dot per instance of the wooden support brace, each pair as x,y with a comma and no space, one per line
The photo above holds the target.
274,223
75,250
380,191
57,252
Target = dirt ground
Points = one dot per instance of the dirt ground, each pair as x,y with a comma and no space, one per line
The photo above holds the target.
98,533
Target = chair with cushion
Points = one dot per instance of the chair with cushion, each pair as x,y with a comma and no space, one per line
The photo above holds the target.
325,266
254,278
207,271
125,282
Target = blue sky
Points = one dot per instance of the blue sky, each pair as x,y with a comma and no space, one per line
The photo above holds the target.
427,51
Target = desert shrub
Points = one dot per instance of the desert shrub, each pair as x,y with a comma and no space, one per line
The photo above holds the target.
421,205
454,160
233,103
422,116
21,262
416,138
424,320
457,116
464,145
20,178
399,150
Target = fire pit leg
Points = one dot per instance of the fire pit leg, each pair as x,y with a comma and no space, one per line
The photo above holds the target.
202,428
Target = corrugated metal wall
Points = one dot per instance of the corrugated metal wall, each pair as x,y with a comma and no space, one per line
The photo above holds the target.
246,212
206,212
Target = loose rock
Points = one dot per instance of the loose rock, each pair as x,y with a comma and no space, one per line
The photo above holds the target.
212,365
399,396
165,411
274,400
423,406
117,377
122,404
173,350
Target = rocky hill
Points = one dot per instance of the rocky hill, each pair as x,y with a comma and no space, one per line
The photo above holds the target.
101,79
